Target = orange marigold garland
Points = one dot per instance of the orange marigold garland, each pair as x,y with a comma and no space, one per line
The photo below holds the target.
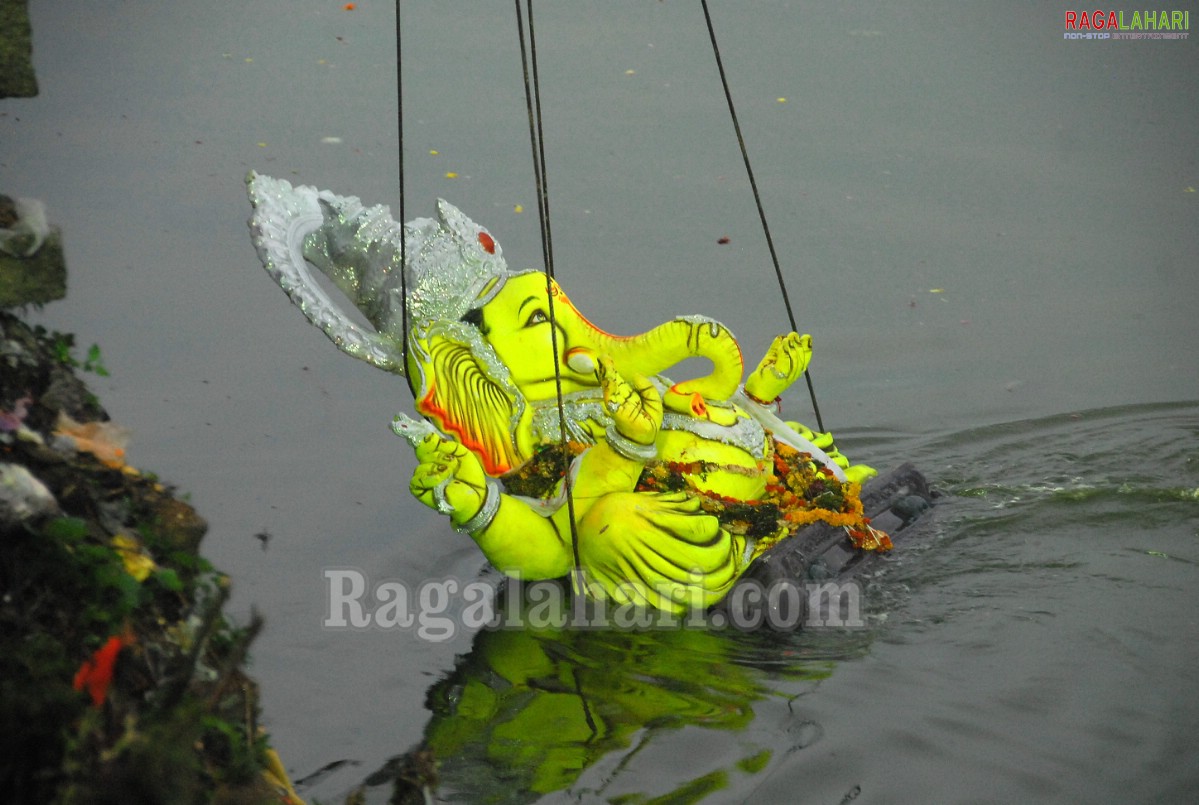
808,493
798,493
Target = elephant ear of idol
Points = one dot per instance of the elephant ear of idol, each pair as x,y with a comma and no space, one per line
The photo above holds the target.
465,390
296,228
453,265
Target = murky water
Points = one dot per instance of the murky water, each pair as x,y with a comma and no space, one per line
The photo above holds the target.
990,232
1024,644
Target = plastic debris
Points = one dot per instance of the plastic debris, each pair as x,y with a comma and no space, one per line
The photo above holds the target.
95,675
10,421
137,560
105,440
22,496
28,229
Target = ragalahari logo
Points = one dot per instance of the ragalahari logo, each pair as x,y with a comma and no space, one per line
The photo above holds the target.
1135,25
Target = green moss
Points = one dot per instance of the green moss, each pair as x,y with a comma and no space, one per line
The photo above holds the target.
176,718
17,78
37,279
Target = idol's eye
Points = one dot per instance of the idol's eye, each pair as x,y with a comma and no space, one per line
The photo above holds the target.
536,317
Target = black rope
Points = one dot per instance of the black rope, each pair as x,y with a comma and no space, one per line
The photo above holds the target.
528,60
400,161
544,188
778,272
574,673
537,141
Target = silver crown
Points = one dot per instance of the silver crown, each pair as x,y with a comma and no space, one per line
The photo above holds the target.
454,265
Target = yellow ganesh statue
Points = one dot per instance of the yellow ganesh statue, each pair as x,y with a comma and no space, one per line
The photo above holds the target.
503,367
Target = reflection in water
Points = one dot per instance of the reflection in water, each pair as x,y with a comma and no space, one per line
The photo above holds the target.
527,711
536,707
1041,605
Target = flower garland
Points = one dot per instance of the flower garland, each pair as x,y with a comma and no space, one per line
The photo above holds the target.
799,492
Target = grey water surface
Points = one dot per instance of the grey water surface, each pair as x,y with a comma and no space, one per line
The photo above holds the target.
991,233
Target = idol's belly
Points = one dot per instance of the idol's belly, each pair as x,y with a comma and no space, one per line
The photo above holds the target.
730,461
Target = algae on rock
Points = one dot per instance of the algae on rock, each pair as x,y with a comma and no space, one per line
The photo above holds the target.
17,78
121,680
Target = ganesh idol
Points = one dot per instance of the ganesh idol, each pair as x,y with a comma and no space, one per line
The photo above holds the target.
557,446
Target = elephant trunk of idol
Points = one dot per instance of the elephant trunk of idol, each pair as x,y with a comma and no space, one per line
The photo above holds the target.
666,345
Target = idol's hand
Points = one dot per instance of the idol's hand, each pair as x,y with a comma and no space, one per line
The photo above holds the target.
784,362
635,404
449,478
